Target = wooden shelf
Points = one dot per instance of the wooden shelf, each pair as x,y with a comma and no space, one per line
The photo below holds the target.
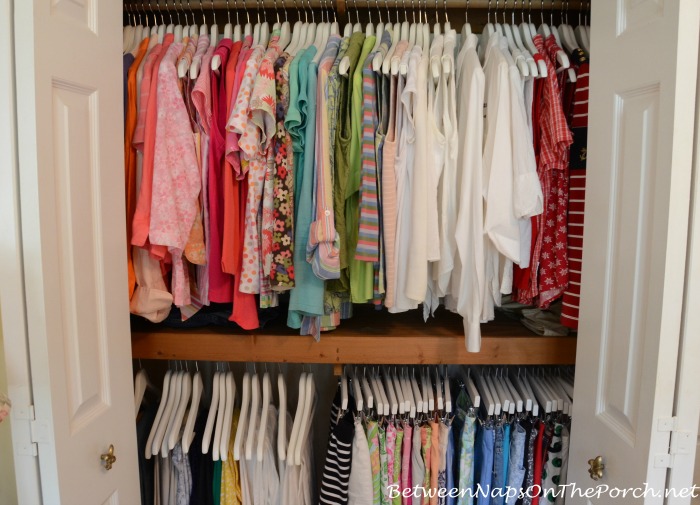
368,338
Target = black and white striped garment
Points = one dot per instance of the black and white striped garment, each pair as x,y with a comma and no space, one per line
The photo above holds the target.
336,471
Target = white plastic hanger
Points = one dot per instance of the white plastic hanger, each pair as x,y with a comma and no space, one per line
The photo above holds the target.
398,388
140,385
383,392
439,399
264,30
282,414
186,27
409,396
167,413
367,390
296,426
220,413
532,66
309,399
417,395
523,391
228,27
488,382
514,393
448,393
582,36
356,390
470,387
266,400
176,385
321,39
503,394
285,30
485,394
391,393
228,415
128,32
178,30
214,29
429,390
374,385
253,417
466,27
211,416
386,61
188,434
380,29
185,395
540,394
296,32
241,430
159,414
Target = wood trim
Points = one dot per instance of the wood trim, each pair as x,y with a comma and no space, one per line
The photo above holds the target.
365,339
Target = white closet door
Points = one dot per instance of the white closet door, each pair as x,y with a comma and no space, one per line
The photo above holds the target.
640,148
70,128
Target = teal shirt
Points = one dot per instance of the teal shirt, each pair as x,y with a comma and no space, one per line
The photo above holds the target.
306,299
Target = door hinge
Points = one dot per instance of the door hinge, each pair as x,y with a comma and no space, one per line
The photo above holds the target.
680,443
27,446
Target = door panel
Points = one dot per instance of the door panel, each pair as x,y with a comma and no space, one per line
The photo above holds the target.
72,202
640,146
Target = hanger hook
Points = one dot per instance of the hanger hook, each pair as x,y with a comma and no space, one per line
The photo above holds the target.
228,12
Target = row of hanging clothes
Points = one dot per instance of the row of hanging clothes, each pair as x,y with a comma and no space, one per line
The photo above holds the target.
399,165
243,446
398,435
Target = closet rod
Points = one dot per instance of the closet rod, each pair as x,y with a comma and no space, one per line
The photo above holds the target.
533,7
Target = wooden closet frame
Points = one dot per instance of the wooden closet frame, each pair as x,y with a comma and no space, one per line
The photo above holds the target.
370,337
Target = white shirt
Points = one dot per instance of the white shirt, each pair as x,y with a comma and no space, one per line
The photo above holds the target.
405,155
417,281
468,275
360,490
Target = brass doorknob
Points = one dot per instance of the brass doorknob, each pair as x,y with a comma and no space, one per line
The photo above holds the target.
596,467
108,458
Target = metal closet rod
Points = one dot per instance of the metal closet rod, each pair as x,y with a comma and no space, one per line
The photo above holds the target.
533,6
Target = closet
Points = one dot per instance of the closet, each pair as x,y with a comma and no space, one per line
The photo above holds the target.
65,314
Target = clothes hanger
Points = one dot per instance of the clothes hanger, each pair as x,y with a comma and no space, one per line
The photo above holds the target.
170,28
513,392
228,415
542,397
174,432
418,397
297,419
220,413
335,29
257,26
295,32
429,390
357,26
241,430
521,390
344,390
128,32
177,29
357,390
448,392
266,401
162,25
466,27
378,64
140,385
470,387
367,390
485,393
253,417
159,415
211,416
383,392
503,394
374,385
264,28
408,395
309,401
448,26
489,29
237,31
285,32
228,27
176,386
389,388
214,30
186,26
167,414
582,35
248,28
277,26
380,28
322,33
311,29
439,398
282,416
398,388
488,381
369,27
188,434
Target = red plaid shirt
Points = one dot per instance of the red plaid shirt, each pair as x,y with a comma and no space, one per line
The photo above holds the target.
549,272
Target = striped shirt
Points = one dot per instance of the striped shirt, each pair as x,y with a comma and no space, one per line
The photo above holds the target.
336,471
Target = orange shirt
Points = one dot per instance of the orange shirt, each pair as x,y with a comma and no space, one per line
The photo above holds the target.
130,156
